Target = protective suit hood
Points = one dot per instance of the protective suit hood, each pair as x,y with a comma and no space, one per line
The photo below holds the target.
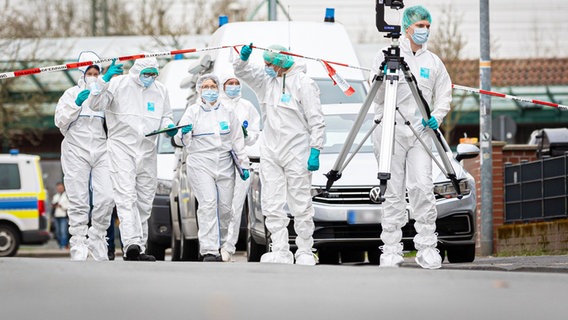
141,64
224,78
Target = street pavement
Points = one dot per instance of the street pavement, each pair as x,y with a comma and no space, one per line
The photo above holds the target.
554,263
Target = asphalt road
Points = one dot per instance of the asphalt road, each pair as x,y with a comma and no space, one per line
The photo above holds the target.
56,288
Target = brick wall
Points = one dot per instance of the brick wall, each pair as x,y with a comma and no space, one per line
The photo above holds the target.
549,237
502,154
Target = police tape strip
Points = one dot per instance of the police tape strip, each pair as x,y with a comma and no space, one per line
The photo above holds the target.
346,88
507,96
74,65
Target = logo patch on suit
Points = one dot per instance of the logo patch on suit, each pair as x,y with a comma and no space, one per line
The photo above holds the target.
151,107
425,73
224,125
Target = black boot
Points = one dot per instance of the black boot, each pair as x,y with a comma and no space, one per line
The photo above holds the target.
133,254
212,258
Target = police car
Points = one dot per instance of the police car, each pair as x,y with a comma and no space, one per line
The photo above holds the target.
23,218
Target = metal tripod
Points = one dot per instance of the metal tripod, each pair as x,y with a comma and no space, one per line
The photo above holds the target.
389,76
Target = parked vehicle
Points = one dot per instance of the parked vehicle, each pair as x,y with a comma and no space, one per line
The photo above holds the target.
23,201
347,222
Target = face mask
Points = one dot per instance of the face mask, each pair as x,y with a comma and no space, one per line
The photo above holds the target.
210,95
420,35
146,81
233,91
270,72
92,84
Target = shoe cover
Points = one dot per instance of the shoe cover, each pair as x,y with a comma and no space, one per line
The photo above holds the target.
226,256
285,257
306,259
429,258
79,252
391,260
98,248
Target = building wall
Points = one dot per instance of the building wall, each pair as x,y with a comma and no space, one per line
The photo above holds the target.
521,238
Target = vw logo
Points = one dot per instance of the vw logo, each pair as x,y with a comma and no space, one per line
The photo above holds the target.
374,194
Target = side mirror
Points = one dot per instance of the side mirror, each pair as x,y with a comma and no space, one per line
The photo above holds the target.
466,151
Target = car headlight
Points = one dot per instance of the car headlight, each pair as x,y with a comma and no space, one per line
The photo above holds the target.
446,190
164,187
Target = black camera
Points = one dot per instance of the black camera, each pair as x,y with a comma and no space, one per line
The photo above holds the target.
382,25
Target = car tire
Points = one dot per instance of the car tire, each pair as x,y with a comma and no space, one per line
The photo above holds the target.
254,250
374,256
461,254
354,255
156,250
9,241
328,256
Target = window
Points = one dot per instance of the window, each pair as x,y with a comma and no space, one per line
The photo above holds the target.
337,127
9,176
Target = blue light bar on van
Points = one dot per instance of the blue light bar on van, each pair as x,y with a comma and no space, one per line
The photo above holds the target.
14,152
329,15
223,20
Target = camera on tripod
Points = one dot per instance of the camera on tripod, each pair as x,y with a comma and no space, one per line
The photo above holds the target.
382,25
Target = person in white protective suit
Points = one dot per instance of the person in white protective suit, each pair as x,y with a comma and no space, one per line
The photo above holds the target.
135,105
212,131
291,141
85,165
411,165
250,122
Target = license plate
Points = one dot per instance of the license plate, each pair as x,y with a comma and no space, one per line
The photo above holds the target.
363,217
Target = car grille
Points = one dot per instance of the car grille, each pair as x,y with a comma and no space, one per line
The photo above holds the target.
348,195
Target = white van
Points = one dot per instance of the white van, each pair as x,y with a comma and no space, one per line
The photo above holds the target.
23,202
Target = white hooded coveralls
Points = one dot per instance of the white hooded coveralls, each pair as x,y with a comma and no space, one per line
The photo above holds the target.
132,111
85,165
210,168
245,111
411,165
290,130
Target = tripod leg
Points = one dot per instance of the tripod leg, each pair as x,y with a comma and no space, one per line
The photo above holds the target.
335,173
360,145
387,135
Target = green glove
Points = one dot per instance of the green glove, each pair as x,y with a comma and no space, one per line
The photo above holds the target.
245,131
173,132
246,51
112,70
245,175
313,161
82,96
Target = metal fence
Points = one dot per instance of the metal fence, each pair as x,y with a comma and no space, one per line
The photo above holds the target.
536,190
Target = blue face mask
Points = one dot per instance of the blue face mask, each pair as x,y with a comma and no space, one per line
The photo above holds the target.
270,72
233,91
210,95
146,81
420,35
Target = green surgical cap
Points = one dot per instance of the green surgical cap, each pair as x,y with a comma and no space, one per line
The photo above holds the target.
414,14
278,59
149,70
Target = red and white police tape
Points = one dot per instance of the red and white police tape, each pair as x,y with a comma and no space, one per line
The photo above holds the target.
337,79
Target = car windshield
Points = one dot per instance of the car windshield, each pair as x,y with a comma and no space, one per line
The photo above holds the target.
165,142
337,128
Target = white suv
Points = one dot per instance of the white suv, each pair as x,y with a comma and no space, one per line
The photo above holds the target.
22,203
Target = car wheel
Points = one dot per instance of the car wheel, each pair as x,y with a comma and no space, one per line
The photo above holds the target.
176,249
328,256
352,256
460,254
374,256
9,240
254,250
156,250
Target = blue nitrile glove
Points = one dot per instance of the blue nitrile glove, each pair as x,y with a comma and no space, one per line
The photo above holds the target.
82,96
313,161
173,132
245,175
432,123
186,129
113,69
246,51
